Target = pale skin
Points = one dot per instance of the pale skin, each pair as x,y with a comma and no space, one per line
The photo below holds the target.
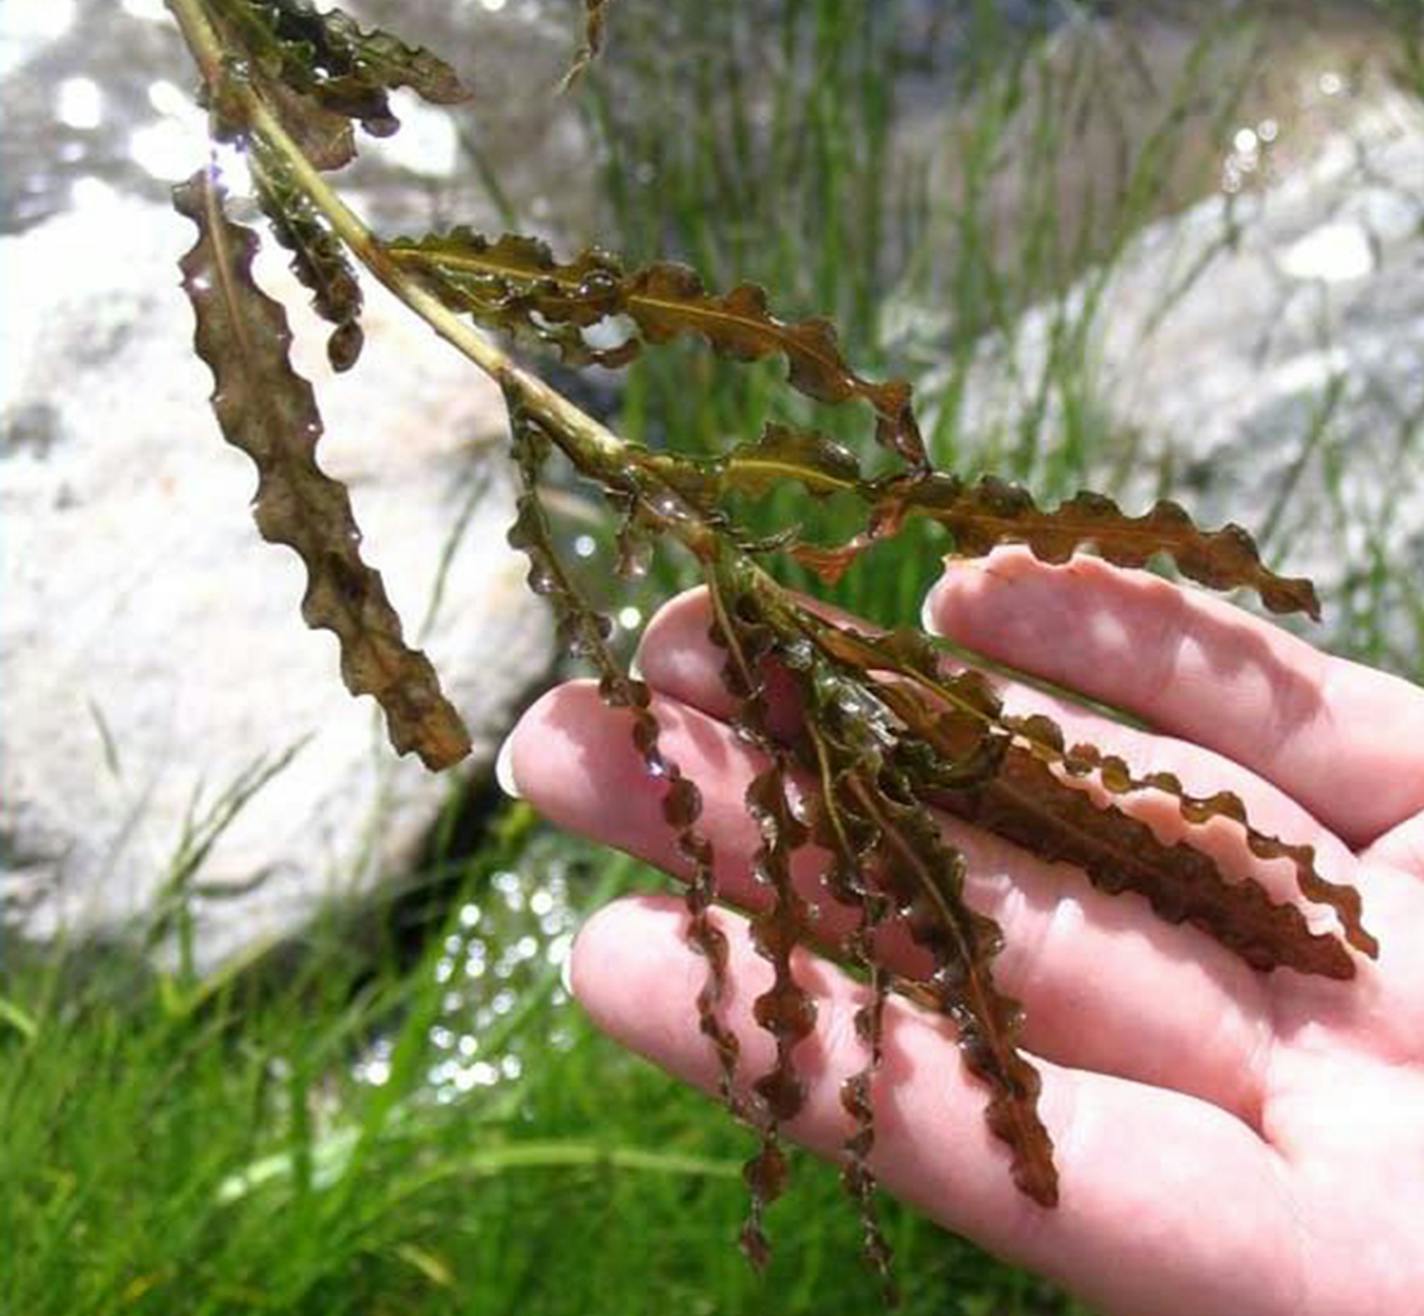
1229,1143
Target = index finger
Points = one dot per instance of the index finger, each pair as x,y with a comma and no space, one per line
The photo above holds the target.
1344,740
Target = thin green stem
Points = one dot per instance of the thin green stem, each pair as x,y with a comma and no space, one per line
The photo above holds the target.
599,447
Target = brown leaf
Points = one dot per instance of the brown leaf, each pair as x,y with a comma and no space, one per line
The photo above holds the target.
786,1010
1029,805
1115,850
1045,739
515,284
265,408
782,452
325,137
990,512
891,840
993,512
927,877
585,634
327,64
318,258
668,300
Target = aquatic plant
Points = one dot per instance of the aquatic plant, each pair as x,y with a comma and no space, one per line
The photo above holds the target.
890,731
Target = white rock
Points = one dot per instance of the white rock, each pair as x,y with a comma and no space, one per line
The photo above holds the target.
1277,375
151,648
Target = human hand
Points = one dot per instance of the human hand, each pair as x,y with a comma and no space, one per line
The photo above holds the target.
1228,1142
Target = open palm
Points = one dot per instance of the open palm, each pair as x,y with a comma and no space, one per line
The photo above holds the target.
1228,1141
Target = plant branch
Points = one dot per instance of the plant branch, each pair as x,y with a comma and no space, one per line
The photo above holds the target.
594,449
594,445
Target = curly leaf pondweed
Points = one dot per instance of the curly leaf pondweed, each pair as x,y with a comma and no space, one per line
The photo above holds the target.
889,735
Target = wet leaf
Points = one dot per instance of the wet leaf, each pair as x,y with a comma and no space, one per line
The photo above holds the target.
327,65
782,453
585,634
924,876
326,138
990,512
1116,776
927,874
785,1010
1029,805
888,854
318,258
516,284
265,408
667,301
848,880
1116,851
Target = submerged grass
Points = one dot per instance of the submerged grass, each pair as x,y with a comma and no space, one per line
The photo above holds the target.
440,1131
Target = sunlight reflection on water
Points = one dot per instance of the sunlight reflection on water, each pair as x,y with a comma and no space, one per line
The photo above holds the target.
510,946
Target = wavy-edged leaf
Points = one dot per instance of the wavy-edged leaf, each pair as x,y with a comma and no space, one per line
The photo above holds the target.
584,633
326,139
328,66
924,875
928,875
991,511
318,258
781,453
844,835
1115,850
785,1010
265,408
982,515
667,300
880,830
516,284
1087,761
974,768
379,58
1031,806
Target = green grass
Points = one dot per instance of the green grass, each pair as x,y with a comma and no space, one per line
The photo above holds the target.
169,1144
796,164
174,1147
794,169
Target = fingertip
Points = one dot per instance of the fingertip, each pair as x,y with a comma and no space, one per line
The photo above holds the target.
542,759
504,768
594,943
627,962
1106,631
975,595
950,605
672,655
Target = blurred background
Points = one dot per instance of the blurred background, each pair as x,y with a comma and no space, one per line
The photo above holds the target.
282,1025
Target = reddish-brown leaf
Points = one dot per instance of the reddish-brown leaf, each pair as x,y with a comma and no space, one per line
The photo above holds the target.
516,284
982,515
265,408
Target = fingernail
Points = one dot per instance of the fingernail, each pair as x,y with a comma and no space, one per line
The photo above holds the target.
635,668
504,769
927,622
